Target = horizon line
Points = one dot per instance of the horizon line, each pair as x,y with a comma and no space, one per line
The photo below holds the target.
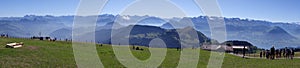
250,19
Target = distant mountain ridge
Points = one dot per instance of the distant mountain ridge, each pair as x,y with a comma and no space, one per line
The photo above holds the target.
142,35
260,33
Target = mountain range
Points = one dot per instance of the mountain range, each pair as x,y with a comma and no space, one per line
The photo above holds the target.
263,34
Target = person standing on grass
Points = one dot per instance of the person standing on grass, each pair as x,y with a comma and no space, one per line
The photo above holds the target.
260,54
244,51
267,54
277,53
284,52
133,47
292,53
264,53
288,53
280,53
272,52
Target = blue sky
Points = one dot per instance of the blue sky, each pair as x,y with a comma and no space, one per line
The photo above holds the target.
270,10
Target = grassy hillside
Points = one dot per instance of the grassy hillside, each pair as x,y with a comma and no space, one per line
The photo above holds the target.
38,54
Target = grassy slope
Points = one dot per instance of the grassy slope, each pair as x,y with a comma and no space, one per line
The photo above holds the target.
36,54
59,54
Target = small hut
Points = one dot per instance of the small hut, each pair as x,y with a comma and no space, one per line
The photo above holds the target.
239,46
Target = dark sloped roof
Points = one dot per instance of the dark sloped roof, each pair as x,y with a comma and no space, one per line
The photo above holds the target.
238,43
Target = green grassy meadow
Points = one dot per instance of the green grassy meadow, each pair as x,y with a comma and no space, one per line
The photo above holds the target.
37,54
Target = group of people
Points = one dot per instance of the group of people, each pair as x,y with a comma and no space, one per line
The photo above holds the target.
137,48
287,53
4,35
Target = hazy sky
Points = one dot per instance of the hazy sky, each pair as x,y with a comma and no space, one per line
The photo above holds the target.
270,10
